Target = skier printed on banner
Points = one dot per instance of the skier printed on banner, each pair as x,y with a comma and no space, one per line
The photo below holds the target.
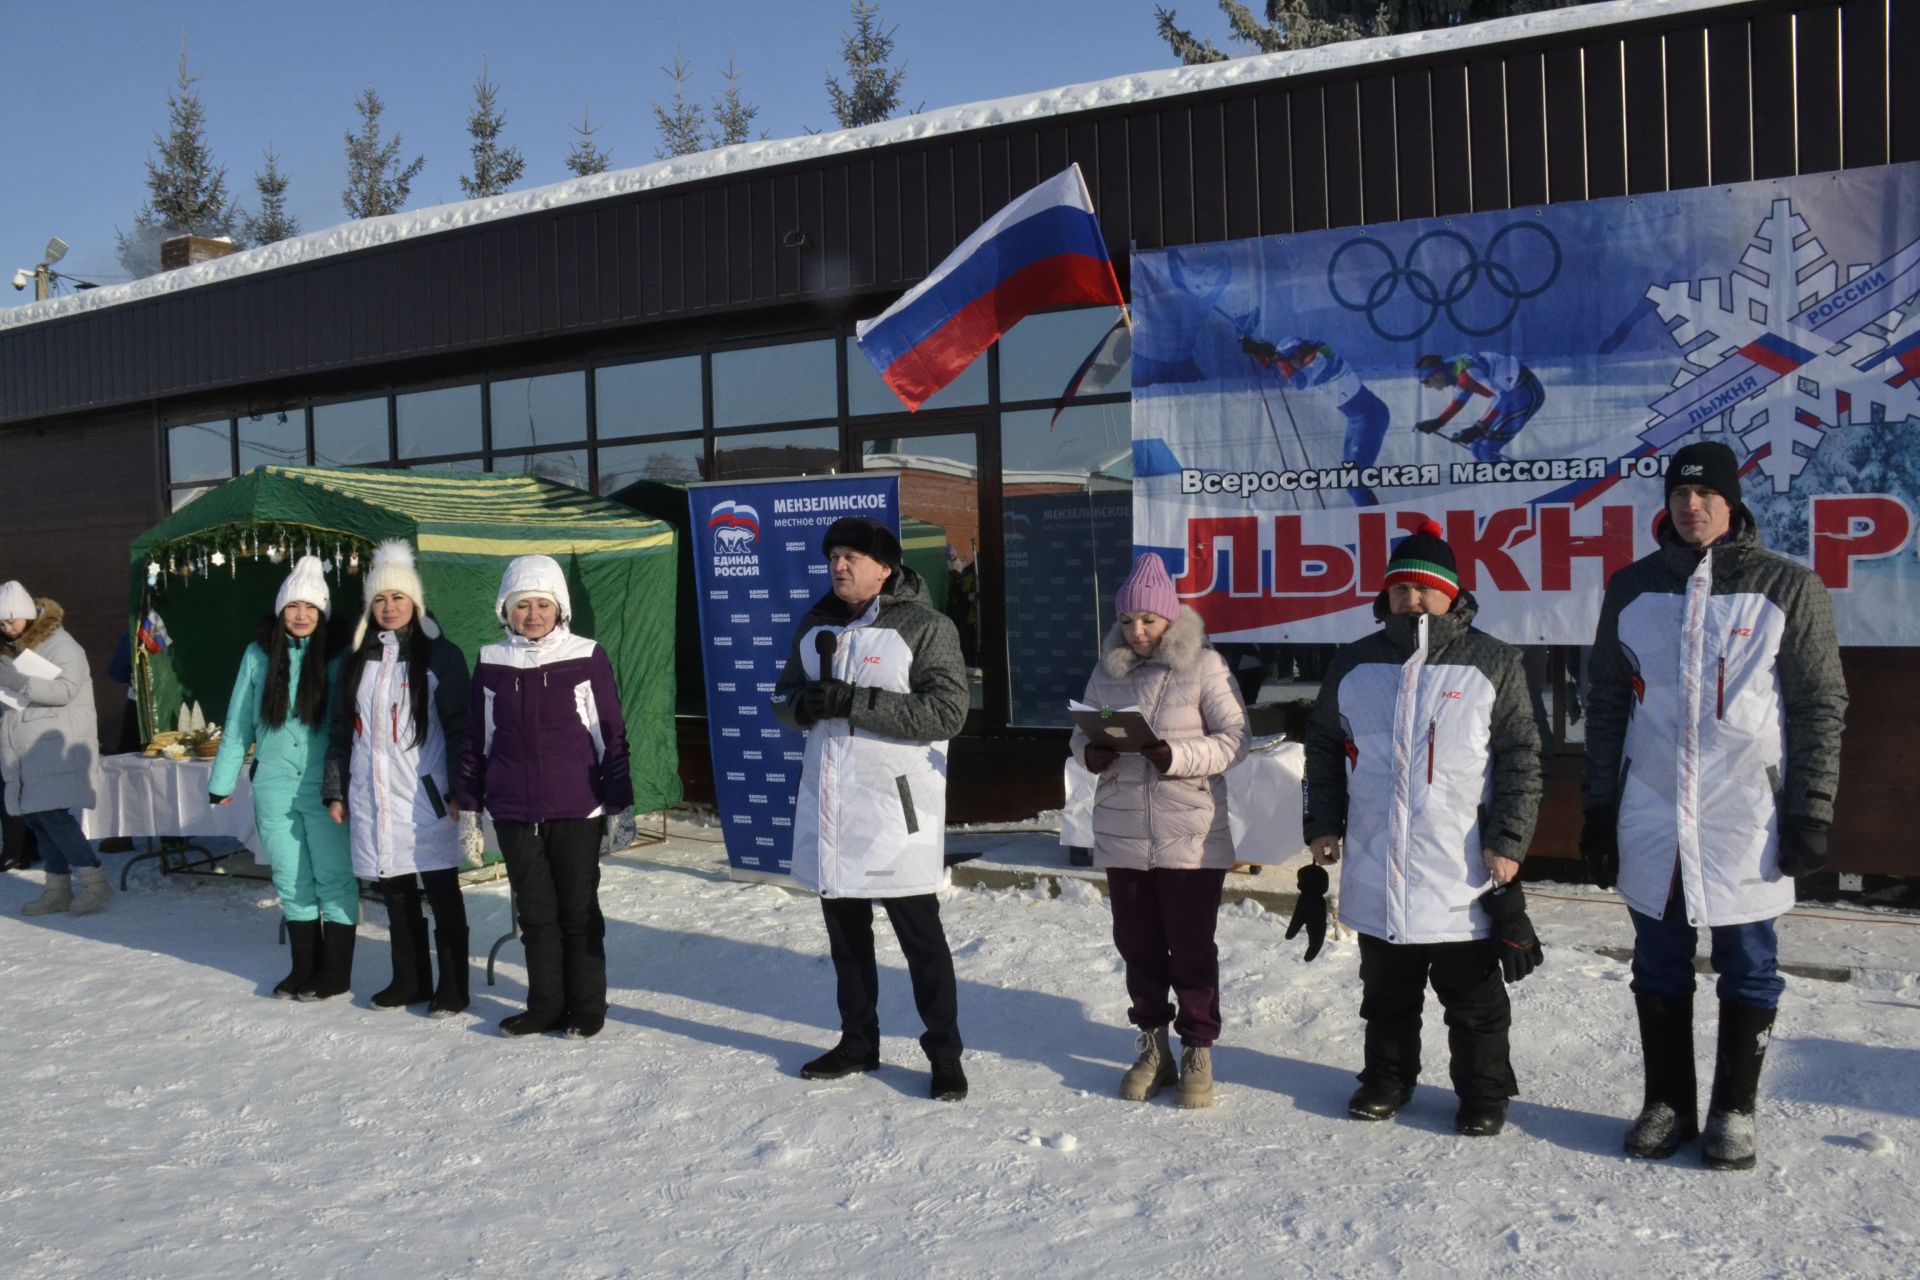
1308,364
1515,395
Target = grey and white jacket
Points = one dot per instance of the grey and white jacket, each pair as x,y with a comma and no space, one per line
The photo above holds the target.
1422,750
1716,709
50,749
870,821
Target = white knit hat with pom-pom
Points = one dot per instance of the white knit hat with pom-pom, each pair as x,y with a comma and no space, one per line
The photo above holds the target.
393,569
306,584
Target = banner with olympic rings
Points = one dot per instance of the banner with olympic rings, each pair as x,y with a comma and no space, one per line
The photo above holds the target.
1521,376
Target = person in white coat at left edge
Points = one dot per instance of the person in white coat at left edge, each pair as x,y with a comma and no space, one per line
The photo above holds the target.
877,681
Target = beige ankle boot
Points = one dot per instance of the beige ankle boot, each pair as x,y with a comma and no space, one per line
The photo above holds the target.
91,890
57,896
1152,1071
1196,1076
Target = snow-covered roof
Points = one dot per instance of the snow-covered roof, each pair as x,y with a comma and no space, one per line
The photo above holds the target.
1146,86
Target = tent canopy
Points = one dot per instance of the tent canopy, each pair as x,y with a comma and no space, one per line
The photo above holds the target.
620,568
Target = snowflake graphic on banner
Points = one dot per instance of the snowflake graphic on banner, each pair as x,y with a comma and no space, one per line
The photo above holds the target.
1782,351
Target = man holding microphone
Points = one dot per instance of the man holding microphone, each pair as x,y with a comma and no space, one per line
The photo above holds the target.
877,682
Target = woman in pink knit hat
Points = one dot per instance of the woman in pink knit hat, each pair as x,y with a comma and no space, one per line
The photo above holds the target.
1160,825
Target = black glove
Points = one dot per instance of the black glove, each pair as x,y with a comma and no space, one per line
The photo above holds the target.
1467,435
1803,846
823,700
1600,844
1513,935
1159,754
1259,348
1097,757
1310,910
1427,426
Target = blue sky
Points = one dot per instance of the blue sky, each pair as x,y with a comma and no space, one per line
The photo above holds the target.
85,86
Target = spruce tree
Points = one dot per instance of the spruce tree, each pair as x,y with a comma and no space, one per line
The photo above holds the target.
872,92
1303,24
683,125
732,116
186,190
377,183
495,168
272,222
584,157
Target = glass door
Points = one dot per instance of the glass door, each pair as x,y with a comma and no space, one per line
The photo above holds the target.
942,500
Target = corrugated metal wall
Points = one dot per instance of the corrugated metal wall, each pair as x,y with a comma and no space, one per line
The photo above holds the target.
1756,91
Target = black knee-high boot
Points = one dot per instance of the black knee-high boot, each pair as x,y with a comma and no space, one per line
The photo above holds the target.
303,941
333,975
407,939
1744,1032
1670,1107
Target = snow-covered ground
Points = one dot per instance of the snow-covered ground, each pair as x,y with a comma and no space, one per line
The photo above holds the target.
168,1119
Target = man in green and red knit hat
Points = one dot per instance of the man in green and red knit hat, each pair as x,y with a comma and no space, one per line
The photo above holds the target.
1423,768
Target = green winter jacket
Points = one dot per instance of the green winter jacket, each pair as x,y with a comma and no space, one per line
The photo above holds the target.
289,757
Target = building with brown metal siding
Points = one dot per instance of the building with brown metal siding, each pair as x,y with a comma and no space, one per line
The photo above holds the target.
703,328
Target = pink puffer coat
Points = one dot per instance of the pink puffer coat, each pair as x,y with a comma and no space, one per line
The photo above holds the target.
1142,819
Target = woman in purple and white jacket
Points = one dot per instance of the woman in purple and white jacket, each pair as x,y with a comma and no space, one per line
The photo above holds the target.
546,757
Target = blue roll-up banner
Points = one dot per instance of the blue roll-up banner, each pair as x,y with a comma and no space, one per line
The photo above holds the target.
758,567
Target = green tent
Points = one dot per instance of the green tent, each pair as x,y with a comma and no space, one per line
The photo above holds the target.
210,572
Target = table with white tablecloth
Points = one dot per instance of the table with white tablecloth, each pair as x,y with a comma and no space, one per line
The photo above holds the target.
165,802
1263,803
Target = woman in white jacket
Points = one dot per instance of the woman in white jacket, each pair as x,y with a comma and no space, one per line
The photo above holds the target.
1160,825
399,722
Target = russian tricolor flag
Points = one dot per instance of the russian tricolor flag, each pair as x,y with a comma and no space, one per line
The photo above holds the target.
1043,250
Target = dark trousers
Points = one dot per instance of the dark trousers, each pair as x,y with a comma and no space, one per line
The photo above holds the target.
1163,924
555,870
1466,977
1746,956
916,923
403,893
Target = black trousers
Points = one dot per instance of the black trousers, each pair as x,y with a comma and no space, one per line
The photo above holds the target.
555,871
916,923
1466,977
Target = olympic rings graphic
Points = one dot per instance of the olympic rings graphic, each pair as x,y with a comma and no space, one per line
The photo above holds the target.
1448,255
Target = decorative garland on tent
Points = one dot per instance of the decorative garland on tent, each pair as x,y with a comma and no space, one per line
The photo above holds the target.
204,552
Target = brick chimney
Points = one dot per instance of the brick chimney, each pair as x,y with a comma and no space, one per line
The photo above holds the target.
184,251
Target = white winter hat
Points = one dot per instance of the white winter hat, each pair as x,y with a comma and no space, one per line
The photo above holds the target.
16,602
531,576
393,570
307,584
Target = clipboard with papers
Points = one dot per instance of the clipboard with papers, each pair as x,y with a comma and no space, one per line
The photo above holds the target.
1117,728
34,667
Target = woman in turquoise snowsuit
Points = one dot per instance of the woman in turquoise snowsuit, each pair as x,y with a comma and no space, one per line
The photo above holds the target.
288,675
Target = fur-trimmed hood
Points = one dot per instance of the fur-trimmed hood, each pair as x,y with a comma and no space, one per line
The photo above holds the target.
52,616
1179,648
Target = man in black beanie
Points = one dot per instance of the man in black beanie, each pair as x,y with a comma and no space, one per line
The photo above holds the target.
1713,756
877,683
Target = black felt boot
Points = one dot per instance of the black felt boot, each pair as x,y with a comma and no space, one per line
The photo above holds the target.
333,975
1670,1111
1744,1032
450,997
303,941
407,941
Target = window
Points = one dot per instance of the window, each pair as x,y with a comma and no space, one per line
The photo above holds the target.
439,422
351,434
1039,356
669,461
1067,525
654,397
867,392
789,383
567,466
274,439
200,451
536,411
812,451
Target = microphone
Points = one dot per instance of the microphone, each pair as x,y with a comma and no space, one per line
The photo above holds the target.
824,643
